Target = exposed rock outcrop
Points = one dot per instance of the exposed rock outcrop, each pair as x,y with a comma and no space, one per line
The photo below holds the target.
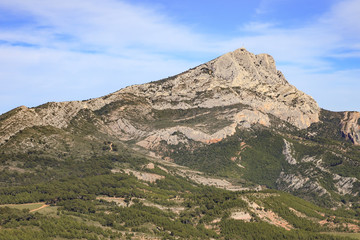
236,77
56,114
350,126
245,119
288,151
238,94
345,185
293,182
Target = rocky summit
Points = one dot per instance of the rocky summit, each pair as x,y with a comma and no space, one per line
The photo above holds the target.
235,117
236,78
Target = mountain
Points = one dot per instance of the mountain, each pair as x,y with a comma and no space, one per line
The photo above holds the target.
233,123
236,78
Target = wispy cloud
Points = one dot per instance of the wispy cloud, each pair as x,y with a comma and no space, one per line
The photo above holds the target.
89,47
264,7
65,50
312,55
111,27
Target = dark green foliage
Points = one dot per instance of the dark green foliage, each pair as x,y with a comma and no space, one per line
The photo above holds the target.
233,229
302,150
189,117
78,205
214,202
127,100
348,168
214,158
10,217
305,207
137,215
39,168
263,160
43,168
283,211
49,228
172,183
70,169
67,189
327,129
76,199
331,160
20,224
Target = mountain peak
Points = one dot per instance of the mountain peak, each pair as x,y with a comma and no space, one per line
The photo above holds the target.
248,84
237,77
241,67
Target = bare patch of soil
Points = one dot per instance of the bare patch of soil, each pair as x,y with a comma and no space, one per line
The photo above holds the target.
244,216
268,215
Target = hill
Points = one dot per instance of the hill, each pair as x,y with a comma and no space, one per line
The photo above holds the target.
208,153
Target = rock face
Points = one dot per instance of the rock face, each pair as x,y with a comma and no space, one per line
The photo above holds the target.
350,126
292,182
51,114
231,98
245,118
287,151
238,77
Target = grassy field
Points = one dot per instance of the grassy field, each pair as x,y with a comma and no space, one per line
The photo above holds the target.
30,206
50,210
342,234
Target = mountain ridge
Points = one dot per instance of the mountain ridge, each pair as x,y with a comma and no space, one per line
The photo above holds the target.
211,78
225,102
226,150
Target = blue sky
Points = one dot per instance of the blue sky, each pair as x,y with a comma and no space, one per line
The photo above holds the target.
74,50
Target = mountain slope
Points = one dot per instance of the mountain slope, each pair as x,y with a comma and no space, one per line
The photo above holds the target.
234,117
121,206
238,77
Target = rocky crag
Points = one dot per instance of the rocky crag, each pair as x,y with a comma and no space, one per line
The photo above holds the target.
234,96
238,77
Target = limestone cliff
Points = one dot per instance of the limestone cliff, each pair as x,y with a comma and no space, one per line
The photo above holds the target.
238,77
350,126
235,116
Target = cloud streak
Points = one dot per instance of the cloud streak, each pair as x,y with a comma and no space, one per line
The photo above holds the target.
109,27
87,47
76,50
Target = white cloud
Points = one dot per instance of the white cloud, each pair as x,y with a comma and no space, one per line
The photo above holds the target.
344,18
111,26
50,70
264,7
337,91
308,55
85,49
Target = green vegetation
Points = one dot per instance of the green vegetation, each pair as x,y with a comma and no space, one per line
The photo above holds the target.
37,168
342,234
29,206
263,160
81,212
233,229
128,100
213,159
72,170
191,117
16,224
